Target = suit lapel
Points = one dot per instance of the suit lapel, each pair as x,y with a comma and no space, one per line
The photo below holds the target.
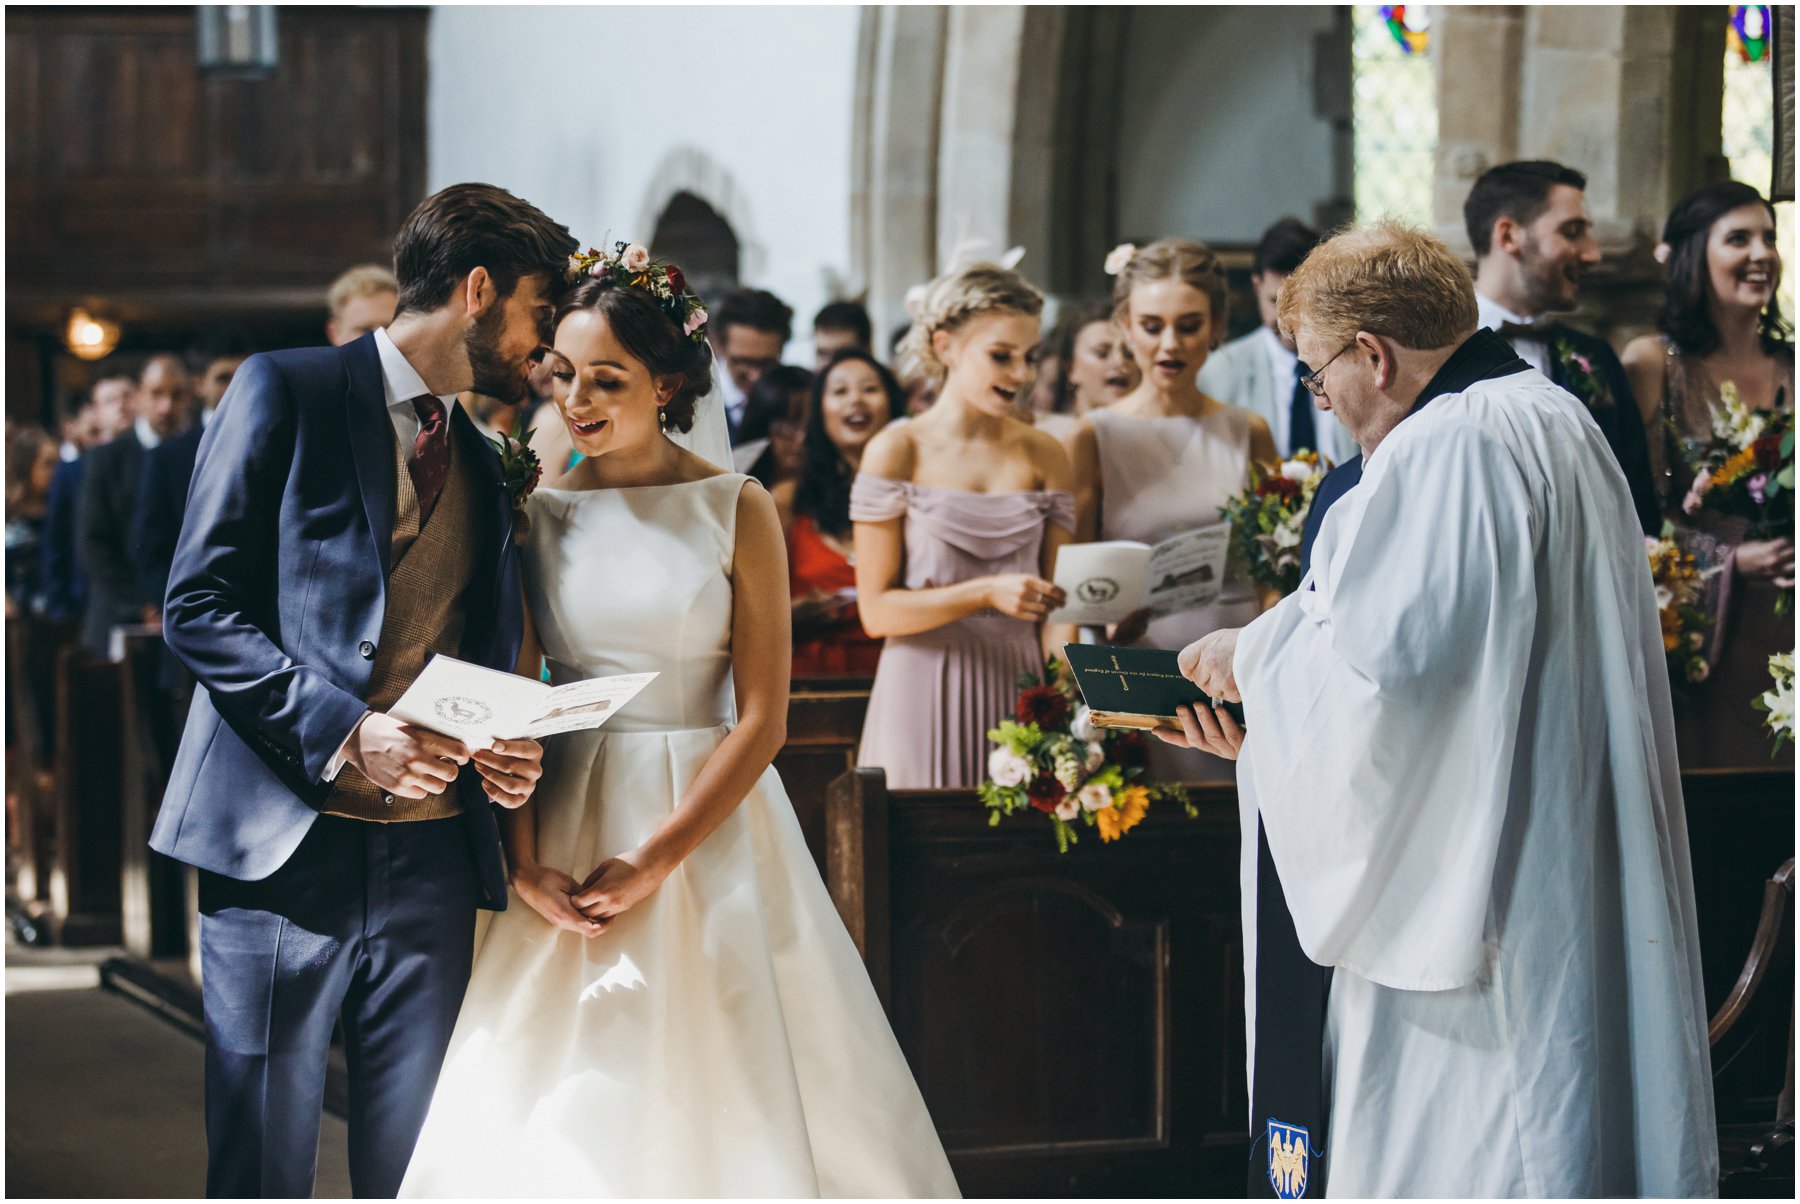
372,443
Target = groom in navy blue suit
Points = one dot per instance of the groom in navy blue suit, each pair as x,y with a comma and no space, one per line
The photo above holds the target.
345,523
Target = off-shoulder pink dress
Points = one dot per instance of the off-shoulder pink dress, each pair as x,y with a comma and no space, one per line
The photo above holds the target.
937,693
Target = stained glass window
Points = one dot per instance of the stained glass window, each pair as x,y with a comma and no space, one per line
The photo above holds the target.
1749,122
1395,111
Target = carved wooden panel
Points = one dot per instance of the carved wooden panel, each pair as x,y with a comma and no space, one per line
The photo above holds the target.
131,177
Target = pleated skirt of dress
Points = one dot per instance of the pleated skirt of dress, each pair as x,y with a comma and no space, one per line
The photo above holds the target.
936,696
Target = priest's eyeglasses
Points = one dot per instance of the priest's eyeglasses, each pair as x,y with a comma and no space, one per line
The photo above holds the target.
1311,380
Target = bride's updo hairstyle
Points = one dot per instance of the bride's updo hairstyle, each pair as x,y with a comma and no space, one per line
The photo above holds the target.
1184,259
956,298
649,335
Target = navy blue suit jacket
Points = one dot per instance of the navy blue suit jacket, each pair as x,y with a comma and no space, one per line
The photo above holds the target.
162,499
65,585
275,604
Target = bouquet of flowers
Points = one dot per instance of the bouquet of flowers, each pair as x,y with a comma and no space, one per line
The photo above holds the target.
1777,702
1052,759
1679,586
1268,519
1746,466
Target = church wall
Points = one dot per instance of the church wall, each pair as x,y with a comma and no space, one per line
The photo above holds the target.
1218,135
598,115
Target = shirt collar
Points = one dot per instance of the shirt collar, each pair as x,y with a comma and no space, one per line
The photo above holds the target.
399,379
1491,313
146,434
1280,357
1484,355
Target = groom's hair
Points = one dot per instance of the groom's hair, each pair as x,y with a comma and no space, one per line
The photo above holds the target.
469,226
1519,191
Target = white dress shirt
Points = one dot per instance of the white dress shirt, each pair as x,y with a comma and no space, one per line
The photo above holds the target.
1491,314
401,382
734,398
146,434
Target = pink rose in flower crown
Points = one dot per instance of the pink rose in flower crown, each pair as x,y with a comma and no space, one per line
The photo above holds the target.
695,321
635,258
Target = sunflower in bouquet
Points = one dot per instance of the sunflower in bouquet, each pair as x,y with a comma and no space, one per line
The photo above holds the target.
1268,519
1050,758
1679,587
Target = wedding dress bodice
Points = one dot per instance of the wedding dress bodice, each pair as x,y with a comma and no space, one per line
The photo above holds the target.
638,580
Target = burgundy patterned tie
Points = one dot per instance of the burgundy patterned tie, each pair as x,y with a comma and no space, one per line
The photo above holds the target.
430,461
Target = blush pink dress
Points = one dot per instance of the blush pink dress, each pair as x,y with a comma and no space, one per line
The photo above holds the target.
937,693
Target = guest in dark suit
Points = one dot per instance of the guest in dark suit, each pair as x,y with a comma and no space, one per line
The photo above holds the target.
104,523
105,413
1534,240
346,522
168,468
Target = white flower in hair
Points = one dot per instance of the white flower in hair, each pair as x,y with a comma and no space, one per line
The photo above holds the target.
1118,257
635,258
915,301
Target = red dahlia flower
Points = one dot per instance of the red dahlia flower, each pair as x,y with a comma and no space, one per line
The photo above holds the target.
1045,706
1045,792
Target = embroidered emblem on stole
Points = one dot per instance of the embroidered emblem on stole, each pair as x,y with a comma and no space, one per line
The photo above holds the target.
1288,1157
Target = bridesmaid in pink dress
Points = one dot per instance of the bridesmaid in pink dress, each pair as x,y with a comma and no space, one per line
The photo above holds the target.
958,513
1166,458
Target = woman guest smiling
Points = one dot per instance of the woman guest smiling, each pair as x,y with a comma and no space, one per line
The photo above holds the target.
1092,368
958,515
853,399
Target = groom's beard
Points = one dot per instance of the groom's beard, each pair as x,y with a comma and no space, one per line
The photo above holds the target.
494,377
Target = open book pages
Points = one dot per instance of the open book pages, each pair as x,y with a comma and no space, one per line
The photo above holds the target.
477,705
1109,580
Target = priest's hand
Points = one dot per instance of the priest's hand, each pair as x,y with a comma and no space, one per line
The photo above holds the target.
510,770
1208,730
1207,663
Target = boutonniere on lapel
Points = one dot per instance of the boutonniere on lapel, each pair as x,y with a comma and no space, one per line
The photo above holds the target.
520,472
1579,376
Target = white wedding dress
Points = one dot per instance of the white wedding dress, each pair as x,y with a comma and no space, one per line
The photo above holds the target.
721,1038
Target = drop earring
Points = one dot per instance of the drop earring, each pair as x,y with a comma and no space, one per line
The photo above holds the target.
662,416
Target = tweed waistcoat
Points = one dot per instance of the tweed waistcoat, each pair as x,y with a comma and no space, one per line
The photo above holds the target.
433,566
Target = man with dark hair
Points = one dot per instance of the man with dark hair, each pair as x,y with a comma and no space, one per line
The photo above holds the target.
109,493
346,522
840,325
748,330
1533,239
1261,371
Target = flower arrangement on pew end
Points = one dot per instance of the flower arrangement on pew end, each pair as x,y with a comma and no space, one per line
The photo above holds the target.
1051,759
1679,585
1269,518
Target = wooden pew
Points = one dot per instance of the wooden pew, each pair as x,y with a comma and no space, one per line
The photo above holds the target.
153,891
87,866
1076,1022
825,718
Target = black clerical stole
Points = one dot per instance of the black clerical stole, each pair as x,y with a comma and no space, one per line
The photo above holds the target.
1289,1105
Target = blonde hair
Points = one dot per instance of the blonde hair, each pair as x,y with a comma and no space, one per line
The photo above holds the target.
1184,259
955,298
364,280
1386,278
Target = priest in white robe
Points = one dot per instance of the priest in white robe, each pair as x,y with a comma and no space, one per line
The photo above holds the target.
1458,741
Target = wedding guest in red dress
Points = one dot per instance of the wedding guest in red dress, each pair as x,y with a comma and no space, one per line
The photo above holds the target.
853,398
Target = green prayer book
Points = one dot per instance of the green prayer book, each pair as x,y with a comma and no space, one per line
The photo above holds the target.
1136,687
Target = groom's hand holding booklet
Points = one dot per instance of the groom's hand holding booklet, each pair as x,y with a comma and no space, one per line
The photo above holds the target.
478,705
1137,687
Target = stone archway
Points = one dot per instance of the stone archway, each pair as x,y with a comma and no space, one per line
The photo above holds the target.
691,171
691,233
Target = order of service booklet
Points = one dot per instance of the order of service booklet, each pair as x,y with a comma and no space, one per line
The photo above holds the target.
1107,581
1136,687
477,705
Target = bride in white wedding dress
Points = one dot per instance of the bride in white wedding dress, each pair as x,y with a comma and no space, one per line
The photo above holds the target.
670,1005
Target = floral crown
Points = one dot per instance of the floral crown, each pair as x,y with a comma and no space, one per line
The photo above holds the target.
629,265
